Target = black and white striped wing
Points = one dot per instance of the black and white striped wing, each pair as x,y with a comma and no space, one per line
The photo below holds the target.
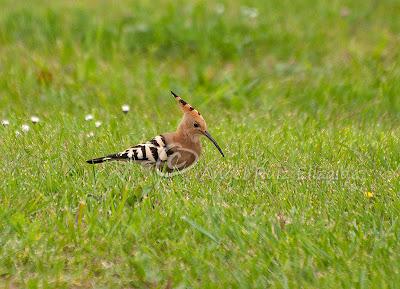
153,152
149,153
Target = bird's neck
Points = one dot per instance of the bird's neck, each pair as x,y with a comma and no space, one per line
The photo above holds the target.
188,146
186,138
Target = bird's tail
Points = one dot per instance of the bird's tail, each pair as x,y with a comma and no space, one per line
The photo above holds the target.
108,158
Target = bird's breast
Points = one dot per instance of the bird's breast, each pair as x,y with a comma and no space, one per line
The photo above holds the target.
181,156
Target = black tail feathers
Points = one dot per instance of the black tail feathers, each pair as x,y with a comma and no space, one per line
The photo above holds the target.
101,160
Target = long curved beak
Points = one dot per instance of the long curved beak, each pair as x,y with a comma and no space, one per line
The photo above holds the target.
207,134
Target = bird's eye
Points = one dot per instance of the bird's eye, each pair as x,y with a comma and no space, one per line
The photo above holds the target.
196,124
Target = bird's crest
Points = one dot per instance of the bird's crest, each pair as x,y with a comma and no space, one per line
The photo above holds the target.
186,107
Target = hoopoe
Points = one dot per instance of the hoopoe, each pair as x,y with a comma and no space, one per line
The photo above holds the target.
173,151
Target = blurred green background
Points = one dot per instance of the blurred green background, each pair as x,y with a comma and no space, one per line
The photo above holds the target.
306,56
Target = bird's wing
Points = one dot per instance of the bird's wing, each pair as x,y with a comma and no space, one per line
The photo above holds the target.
148,153
154,153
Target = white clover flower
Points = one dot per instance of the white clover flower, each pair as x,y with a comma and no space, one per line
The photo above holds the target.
5,122
249,12
25,128
89,117
125,108
97,123
35,119
220,8
90,134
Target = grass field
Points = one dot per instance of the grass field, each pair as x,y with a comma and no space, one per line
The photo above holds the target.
302,96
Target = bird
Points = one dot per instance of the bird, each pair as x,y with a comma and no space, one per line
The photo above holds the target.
172,151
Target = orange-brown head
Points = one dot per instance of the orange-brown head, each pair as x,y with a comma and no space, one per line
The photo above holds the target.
193,123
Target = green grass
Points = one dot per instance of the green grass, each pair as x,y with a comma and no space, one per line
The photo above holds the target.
304,99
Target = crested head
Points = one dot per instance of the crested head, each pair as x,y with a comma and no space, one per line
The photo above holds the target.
186,107
193,124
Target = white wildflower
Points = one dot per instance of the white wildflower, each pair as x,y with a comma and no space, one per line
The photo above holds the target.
5,122
17,133
25,128
90,134
125,108
89,117
97,123
34,119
